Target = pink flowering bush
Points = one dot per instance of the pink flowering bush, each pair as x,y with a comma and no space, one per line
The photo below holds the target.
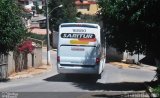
26,47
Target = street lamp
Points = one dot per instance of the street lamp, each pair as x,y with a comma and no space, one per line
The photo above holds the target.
55,8
47,30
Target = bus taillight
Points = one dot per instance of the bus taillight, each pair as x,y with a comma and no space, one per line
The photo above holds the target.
58,59
97,60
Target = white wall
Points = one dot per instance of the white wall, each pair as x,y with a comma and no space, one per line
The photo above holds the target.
126,55
40,4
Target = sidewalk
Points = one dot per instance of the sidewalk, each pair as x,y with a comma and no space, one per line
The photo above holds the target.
31,72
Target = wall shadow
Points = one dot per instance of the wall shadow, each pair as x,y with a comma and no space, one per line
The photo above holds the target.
90,83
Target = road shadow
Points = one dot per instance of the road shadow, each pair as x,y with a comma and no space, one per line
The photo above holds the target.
72,78
4,80
123,86
122,95
90,83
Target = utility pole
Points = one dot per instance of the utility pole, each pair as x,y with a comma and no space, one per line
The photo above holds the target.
47,31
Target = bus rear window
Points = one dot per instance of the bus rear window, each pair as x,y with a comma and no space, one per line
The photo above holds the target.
79,25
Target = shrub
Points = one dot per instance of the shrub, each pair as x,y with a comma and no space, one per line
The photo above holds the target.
37,36
26,47
156,90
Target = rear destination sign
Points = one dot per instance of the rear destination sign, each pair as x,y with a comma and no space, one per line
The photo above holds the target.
78,35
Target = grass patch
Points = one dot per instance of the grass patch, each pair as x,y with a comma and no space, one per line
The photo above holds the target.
37,36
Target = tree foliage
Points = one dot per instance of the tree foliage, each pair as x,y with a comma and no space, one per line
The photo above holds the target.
87,18
132,25
65,14
12,29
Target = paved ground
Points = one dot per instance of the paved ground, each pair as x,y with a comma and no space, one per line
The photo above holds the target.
46,68
117,79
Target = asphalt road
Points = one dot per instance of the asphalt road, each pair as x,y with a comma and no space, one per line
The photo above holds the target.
115,81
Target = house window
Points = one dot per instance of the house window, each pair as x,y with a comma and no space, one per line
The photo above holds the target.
34,2
26,2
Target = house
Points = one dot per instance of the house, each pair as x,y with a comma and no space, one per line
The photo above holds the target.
29,9
89,7
29,4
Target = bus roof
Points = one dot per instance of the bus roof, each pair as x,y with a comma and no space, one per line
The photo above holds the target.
88,25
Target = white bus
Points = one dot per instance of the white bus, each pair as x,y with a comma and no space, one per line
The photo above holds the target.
80,49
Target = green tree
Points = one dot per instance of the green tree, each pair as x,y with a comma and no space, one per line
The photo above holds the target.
89,18
12,29
65,14
132,25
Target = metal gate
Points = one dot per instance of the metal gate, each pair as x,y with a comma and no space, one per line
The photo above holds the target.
3,67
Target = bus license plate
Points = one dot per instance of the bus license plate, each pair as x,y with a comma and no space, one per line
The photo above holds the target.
77,49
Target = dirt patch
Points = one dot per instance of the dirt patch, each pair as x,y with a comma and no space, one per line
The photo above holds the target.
124,65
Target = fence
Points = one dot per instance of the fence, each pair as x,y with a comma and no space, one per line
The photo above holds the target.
37,54
15,62
3,67
39,43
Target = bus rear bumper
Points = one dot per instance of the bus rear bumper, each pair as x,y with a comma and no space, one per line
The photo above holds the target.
78,69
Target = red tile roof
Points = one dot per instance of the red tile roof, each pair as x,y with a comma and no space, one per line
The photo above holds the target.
27,10
23,0
77,2
38,31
